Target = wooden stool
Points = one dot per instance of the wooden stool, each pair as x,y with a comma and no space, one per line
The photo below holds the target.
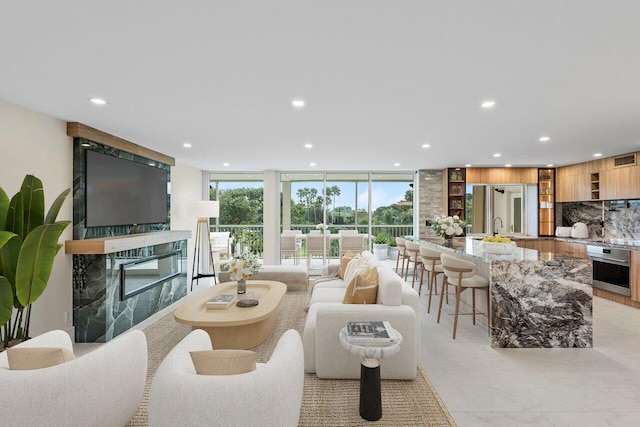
432,264
402,251
462,274
413,256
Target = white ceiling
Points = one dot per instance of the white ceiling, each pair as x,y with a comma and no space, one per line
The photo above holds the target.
380,78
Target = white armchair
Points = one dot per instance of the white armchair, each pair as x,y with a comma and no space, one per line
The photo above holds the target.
220,243
269,396
102,388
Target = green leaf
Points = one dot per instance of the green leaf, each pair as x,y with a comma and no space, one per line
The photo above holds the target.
15,218
33,202
4,208
36,260
6,300
9,259
55,207
5,236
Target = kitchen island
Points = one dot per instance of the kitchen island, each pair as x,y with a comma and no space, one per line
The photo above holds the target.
538,299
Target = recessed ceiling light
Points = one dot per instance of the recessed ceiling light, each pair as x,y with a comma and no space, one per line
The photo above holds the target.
597,155
497,155
544,139
98,101
225,164
468,165
86,144
186,145
488,104
396,164
298,103
312,164
425,145
550,165
152,163
508,165
308,145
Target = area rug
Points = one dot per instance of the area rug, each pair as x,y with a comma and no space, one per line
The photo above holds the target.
324,402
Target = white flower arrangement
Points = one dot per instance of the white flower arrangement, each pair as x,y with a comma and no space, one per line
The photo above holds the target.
447,226
243,266
321,227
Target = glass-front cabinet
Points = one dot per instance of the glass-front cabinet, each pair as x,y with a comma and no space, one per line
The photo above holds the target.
457,189
546,202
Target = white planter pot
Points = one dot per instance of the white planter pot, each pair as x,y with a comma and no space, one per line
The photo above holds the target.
381,252
393,253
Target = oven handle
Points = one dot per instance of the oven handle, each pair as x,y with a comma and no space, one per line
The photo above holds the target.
610,260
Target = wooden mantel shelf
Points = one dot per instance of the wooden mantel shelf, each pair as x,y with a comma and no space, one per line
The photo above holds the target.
107,245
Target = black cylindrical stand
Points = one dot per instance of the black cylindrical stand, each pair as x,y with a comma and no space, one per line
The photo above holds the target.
370,395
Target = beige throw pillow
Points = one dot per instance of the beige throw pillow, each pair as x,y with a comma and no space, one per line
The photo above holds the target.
25,358
363,289
344,261
223,362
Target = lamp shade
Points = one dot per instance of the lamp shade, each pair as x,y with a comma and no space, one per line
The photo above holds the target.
204,208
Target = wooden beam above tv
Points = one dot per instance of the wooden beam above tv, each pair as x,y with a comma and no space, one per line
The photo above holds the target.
78,130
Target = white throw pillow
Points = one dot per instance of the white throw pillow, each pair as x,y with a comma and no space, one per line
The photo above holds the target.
356,266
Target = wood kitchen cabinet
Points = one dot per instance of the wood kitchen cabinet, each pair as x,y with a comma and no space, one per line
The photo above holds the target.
546,202
577,250
456,192
634,276
620,183
573,188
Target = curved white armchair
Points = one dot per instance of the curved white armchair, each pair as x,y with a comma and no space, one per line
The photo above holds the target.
269,396
102,388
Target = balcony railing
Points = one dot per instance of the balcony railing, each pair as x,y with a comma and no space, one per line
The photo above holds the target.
251,236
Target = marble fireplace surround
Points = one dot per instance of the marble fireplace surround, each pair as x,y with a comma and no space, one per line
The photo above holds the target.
99,312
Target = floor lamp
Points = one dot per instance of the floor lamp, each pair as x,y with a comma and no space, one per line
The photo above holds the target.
203,209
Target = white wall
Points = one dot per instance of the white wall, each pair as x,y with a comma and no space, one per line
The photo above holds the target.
186,186
32,143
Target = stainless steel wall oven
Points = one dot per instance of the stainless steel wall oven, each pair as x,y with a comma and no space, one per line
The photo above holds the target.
610,269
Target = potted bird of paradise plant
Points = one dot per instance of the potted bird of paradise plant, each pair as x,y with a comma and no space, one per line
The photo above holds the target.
28,246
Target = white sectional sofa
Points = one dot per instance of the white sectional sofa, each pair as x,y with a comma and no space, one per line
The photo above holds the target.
397,302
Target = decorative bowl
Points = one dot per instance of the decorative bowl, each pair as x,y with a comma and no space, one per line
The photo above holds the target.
498,248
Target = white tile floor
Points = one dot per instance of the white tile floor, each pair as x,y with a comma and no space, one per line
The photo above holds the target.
483,386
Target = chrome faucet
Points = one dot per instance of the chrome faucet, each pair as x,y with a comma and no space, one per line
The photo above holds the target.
494,224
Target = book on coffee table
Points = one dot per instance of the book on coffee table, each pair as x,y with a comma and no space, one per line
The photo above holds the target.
221,301
373,332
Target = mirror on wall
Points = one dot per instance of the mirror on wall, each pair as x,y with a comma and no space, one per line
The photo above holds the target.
499,206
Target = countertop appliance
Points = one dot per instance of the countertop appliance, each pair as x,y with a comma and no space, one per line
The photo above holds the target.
580,231
610,269
563,231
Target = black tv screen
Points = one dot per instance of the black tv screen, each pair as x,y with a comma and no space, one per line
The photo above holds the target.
123,192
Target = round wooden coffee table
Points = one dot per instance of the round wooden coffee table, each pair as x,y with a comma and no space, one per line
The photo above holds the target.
235,327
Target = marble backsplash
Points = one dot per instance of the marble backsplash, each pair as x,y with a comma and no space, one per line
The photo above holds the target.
621,218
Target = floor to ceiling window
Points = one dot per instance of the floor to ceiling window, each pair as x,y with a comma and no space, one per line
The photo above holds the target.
241,199
369,203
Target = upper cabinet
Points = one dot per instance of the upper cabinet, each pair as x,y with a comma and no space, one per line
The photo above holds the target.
604,179
502,175
573,188
620,183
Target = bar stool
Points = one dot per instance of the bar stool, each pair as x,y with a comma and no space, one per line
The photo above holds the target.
402,250
433,266
413,256
462,275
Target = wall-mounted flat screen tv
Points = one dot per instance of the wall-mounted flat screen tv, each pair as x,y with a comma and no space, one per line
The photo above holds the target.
123,192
